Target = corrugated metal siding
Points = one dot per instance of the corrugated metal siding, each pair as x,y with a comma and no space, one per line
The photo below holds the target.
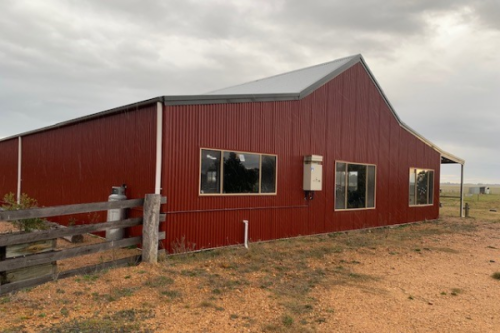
346,119
8,167
79,163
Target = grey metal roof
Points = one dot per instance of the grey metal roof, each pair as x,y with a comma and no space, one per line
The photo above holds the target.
294,82
293,85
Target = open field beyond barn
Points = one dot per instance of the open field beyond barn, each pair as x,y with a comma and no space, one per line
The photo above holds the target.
455,188
438,276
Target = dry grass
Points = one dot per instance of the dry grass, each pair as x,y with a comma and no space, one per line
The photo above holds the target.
306,284
484,207
288,273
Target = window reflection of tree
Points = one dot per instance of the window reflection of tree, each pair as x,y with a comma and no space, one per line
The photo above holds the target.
422,187
268,174
356,195
237,178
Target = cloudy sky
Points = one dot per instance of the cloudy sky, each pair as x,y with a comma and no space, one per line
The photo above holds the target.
437,60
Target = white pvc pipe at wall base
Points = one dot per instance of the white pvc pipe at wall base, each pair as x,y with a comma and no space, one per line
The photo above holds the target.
246,233
159,141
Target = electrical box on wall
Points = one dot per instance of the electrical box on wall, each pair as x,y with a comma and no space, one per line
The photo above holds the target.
313,173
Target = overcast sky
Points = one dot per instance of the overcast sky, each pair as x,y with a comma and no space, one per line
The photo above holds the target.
437,60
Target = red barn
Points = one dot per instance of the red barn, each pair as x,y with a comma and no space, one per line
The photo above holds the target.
311,151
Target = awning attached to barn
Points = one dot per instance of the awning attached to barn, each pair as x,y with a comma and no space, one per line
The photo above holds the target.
447,158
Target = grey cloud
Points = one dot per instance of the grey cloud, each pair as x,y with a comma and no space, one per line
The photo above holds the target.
64,59
488,12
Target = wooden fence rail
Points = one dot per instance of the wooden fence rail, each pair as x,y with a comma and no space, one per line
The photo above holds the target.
11,262
10,215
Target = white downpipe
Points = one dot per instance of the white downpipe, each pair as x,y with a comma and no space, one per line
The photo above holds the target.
159,141
246,233
19,161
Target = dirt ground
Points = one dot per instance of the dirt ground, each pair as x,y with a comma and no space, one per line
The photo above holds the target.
425,277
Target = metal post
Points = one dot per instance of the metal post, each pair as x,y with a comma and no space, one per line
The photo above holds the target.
150,228
467,208
19,168
461,190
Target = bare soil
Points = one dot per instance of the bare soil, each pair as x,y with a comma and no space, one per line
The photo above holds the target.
424,277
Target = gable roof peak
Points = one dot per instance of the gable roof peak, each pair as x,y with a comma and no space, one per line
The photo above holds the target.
300,81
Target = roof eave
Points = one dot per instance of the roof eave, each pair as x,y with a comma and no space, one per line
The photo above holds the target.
448,156
123,108
221,99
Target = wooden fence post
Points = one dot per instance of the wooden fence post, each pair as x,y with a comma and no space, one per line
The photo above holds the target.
150,228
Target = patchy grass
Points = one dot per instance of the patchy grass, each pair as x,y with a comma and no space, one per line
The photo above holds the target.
171,294
480,205
158,281
288,271
496,275
95,325
287,320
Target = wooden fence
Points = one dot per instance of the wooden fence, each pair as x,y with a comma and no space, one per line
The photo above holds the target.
41,243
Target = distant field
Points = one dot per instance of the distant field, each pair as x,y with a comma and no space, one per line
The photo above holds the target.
484,207
494,189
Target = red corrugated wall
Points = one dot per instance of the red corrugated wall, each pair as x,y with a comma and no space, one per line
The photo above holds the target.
80,163
8,167
346,119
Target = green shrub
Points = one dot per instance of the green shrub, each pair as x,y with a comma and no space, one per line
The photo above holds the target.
25,202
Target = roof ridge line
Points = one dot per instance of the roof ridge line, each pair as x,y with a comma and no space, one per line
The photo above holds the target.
285,73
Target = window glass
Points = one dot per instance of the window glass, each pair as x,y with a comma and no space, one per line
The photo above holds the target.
354,186
412,186
241,172
370,191
340,174
431,186
422,187
356,194
229,172
268,181
210,171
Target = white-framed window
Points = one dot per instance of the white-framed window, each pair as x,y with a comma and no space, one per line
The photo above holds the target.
234,172
421,187
354,185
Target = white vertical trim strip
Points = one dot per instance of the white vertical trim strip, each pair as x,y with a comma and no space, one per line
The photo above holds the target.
19,165
159,142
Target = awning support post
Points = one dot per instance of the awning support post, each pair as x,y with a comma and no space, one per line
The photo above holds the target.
461,190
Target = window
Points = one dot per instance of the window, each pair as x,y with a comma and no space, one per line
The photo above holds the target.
421,187
210,171
230,172
354,186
